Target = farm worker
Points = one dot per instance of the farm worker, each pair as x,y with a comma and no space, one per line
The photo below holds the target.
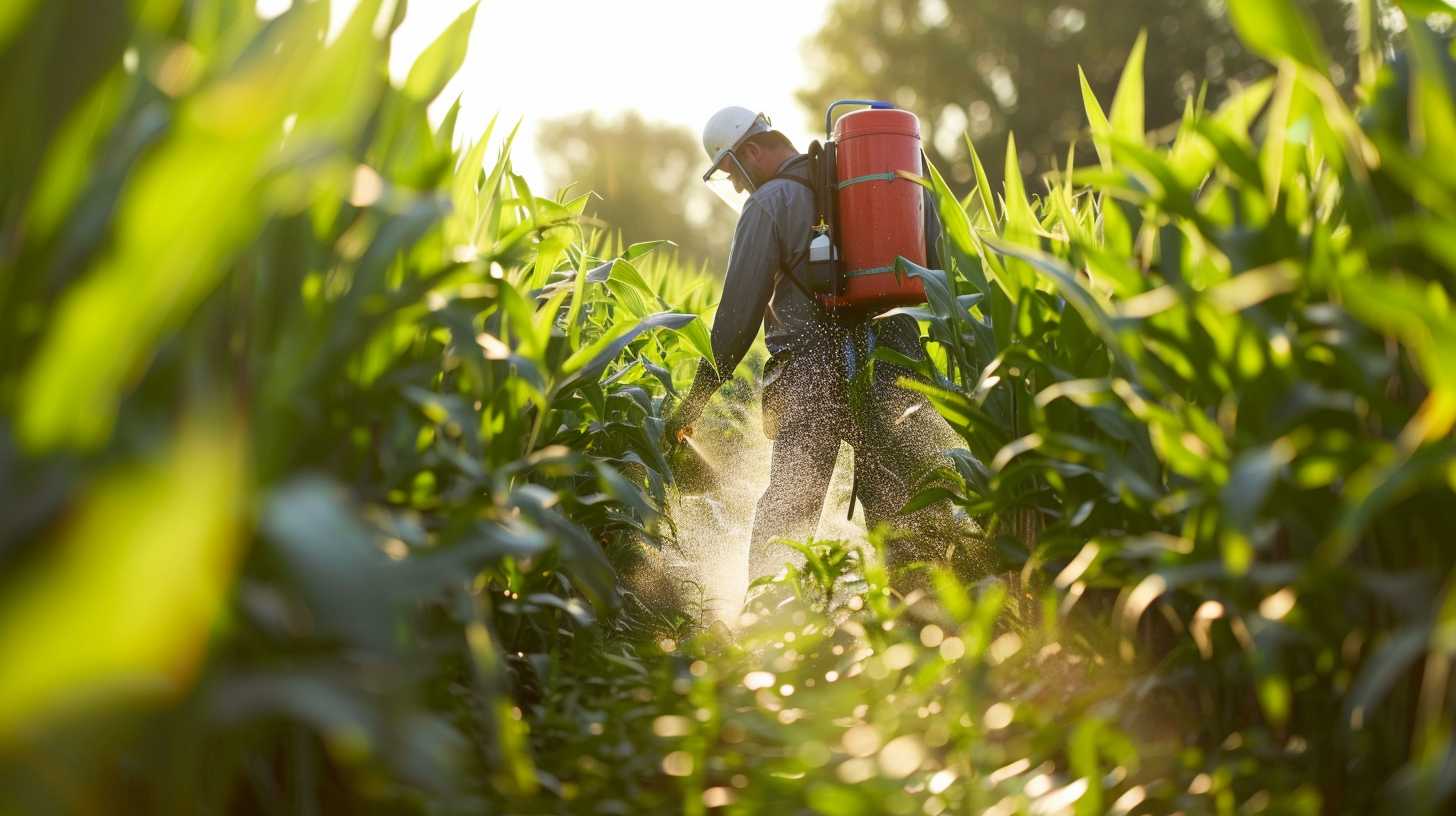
807,389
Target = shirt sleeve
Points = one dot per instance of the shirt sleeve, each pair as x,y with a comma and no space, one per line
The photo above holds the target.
753,270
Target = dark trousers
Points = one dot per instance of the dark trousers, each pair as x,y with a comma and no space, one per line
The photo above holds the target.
811,404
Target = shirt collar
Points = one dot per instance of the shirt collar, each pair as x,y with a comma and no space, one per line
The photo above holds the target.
786,162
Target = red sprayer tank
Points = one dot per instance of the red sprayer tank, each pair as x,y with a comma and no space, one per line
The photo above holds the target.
881,215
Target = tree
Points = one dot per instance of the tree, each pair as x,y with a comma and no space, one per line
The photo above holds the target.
648,178
988,69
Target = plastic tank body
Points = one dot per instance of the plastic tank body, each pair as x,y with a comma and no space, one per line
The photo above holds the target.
881,215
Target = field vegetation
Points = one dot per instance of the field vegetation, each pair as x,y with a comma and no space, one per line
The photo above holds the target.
336,482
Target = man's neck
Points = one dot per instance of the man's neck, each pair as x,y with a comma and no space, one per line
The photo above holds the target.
777,162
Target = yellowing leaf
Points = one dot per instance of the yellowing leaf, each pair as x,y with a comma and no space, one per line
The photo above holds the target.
13,14
124,602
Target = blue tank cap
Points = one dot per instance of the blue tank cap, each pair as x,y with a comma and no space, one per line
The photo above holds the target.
874,104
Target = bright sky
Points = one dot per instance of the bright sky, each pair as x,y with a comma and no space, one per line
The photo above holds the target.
676,61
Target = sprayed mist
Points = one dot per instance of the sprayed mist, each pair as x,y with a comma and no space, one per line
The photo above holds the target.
716,524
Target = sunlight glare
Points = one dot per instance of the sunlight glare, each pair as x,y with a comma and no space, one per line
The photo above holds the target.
661,58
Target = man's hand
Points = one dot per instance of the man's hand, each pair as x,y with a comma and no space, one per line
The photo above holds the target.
692,472
680,425
677,430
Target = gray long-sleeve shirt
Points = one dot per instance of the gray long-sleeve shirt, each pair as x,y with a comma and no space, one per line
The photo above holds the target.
773,235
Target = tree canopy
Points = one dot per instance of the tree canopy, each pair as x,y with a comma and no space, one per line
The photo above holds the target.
988,69
647,177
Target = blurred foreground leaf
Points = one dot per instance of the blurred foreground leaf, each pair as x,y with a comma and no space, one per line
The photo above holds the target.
1276,29
123,603
186,211
435,67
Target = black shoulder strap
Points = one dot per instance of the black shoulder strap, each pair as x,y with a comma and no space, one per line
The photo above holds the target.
788,269
807,184
788,177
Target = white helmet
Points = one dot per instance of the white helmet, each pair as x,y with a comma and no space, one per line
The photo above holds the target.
725,131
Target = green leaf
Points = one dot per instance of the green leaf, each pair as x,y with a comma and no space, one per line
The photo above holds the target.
983,183
1239,111
1097,121
195,201
1235,156
581,557
1272,155
641,248
335,560
1019,215
1276,30
1379,485
574,315
1066,281
1390,662
578,612
628,299
434,68
968,418
546,316
1082,753
1254,473
1117,234
156,15
13,15
549,251
1422,317
696,333
1191,157
623,270
68,167
486,231
955,221
1127,103
927,496
465,188
938,292
521,318
590,361
953,595
1431,103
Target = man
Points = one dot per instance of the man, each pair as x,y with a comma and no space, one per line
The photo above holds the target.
810,397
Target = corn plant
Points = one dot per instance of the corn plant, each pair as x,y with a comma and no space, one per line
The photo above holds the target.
1209,375
328,445
314,424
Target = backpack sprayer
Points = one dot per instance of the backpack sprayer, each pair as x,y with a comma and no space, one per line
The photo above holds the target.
868,202
869,208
